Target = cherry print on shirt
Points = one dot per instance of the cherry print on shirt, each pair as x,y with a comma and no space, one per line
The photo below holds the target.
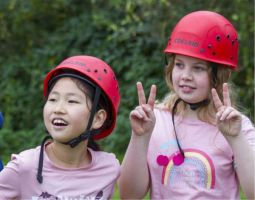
197,168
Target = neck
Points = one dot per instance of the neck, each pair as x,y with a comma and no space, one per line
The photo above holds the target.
67,157
195,106
191,114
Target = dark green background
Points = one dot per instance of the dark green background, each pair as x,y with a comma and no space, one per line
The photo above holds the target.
130,35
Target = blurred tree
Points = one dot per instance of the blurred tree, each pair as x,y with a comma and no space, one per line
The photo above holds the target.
130,35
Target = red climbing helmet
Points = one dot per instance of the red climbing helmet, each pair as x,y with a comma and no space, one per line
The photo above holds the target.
205,35
100,74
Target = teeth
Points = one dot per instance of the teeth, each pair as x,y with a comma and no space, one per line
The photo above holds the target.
59,122
186,86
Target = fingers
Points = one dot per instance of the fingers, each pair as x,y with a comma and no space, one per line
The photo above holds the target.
138,113
152,96
144,112
141,95
216,100
140,92
226,98
149,112
227,113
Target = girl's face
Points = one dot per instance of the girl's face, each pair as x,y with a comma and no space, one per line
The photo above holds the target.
190,78
66,111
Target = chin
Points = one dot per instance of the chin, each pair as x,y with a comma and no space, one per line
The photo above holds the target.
60,137
191,100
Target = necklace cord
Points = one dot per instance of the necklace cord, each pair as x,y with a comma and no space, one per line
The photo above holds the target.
173,113
39,176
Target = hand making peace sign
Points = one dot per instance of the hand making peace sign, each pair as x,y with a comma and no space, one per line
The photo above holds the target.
142,118
228,118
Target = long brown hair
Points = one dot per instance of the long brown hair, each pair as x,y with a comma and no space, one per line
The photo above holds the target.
205,113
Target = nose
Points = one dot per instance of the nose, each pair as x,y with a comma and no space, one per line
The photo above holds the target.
186,74
59,107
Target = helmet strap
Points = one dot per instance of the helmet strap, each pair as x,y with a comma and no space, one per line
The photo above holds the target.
194,106
39,176
88,133
75,141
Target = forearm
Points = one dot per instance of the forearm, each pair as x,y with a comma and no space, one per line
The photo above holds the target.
134,178
244,158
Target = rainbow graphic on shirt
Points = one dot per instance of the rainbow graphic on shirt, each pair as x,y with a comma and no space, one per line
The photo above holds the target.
204,173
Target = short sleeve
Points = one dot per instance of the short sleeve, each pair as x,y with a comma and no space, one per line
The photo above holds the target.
248,130
9,179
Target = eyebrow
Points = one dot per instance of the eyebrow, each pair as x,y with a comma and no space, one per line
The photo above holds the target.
177,59
67,94
199,62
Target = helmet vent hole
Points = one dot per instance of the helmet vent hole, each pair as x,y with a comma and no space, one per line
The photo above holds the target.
202,50
228,36
209,46
214,53
88,70
233,42
218,38
95,70
105,71
231,58
99,78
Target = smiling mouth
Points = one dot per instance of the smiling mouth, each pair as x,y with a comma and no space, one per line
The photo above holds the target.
187,87
59,122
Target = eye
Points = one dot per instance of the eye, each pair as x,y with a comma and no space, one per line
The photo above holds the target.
73,101
51,99
178,65
199,68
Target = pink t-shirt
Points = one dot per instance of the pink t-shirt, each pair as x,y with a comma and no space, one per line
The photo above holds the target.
208,171
96,181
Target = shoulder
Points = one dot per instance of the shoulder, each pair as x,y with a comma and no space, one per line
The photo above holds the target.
26,154
105,164
248,130
161,106
25,160
247,126
246,122
104,158
162,112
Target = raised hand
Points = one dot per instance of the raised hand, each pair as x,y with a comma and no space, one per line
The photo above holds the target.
142,118
228,118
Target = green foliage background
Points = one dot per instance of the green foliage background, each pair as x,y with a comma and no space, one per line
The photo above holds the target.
130,35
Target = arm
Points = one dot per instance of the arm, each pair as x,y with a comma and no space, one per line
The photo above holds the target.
9,181
134,179
229,122
244,161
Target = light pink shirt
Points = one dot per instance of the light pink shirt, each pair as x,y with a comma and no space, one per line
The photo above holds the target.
208,170
96,181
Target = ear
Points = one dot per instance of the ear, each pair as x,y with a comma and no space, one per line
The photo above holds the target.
99,119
